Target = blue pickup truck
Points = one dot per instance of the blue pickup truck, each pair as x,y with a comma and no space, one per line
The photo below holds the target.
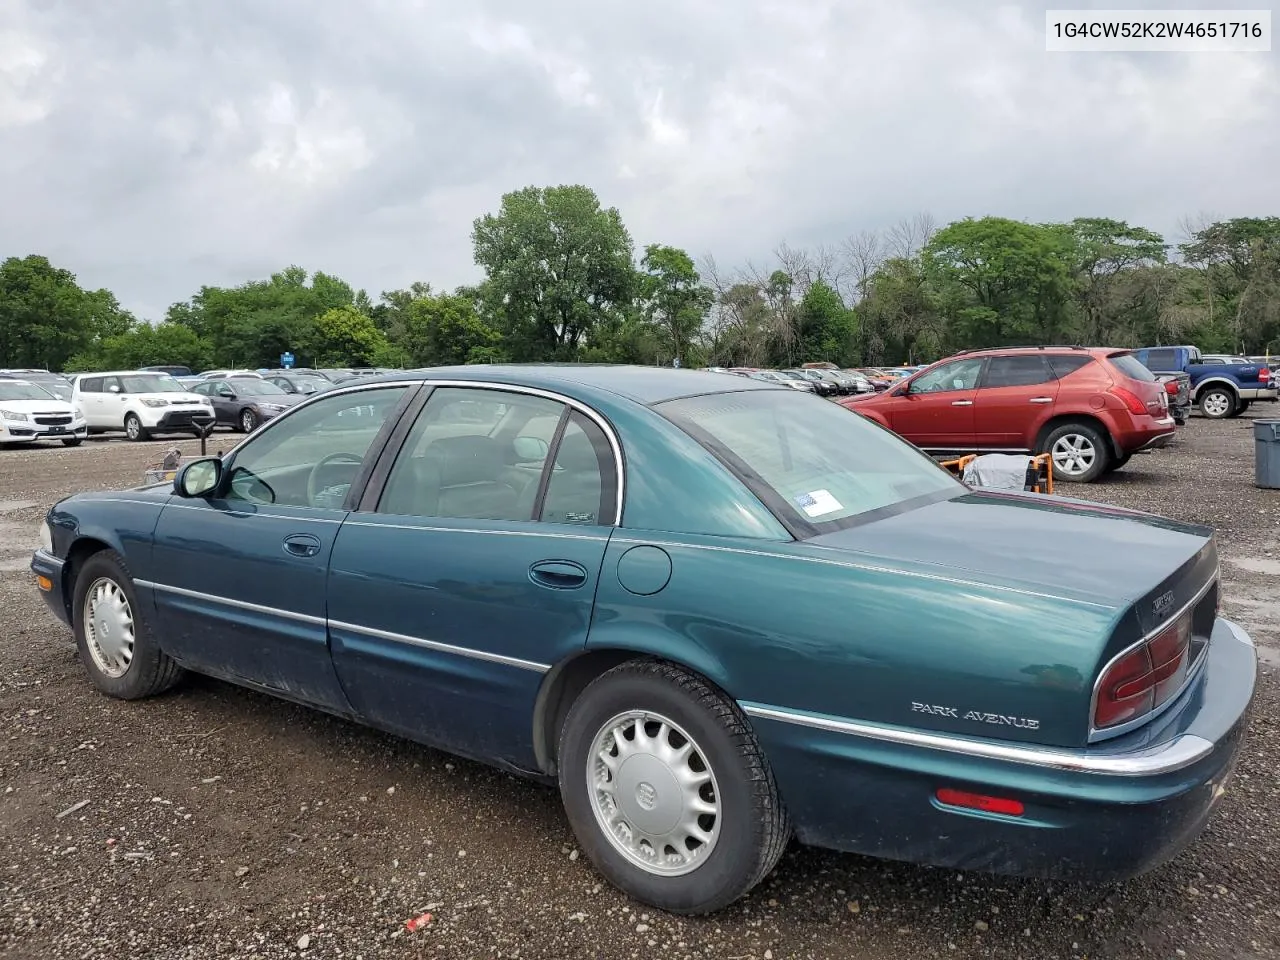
1222,386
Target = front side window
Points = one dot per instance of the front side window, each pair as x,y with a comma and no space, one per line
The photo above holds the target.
956,375
816,465
474,454
310,457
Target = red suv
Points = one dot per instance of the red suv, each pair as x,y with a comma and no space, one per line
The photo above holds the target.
1092,408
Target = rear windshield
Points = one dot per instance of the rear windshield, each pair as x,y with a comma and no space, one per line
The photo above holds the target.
818,466
1128,364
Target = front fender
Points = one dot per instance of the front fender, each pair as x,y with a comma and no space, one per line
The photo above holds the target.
124,522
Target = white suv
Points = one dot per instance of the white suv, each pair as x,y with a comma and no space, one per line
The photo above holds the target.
30,412
139,403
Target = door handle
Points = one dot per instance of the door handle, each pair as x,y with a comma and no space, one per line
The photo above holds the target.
301,545
558,574
962,403
1041,400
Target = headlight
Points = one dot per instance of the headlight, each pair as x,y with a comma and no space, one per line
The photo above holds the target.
46,537
272,407
13,415
152,402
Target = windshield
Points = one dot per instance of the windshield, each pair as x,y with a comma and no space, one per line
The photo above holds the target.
1131,367
12,390
818,466
255,388
155,384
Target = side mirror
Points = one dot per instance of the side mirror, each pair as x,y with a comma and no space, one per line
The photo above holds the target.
227,393
199,478
113,389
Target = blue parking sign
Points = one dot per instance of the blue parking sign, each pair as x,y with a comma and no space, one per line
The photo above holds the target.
286,360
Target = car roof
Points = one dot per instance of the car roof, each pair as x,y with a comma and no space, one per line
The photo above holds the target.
1002,351
647,385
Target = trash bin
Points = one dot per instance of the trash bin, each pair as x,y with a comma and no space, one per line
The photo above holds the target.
1266,454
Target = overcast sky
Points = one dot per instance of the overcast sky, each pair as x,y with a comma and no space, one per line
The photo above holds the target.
152,146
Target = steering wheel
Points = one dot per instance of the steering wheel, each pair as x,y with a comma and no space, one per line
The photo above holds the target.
313,478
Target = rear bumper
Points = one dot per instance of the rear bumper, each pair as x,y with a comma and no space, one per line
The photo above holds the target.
1259,393
1099,814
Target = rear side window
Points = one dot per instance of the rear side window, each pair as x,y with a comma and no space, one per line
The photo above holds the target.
1160,360
1128,364
1020,370
91,385
1063,366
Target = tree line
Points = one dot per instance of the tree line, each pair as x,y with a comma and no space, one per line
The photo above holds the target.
564,282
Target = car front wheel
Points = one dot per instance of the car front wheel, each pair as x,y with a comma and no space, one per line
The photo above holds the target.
1080,452
667,789
133,428
248,420
114,635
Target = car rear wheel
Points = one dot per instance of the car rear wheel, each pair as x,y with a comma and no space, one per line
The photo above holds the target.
1080,452
133,428
114,635
1217,403
667,789
248,420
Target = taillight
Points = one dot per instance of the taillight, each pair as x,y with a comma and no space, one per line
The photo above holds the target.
1171,387
1131,400
1144,678
1264,374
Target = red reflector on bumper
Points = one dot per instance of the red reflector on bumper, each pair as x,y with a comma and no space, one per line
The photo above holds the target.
978,801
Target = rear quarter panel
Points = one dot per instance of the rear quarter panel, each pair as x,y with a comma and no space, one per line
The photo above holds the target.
799,628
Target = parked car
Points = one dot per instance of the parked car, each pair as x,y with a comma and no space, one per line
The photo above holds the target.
776,376
716,613
244,403
1091,409
1178,387
173,371
844,383
54,383
821,386
141,404
29,412
1221,386
223,374
303,384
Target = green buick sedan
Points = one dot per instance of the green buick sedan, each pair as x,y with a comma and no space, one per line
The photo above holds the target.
717,613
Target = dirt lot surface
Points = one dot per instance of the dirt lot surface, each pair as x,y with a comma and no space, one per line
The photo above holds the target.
214,822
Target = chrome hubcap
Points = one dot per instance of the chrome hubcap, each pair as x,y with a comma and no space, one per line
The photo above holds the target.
132,429
1073,454
1217,404
108,627
246,420
653,793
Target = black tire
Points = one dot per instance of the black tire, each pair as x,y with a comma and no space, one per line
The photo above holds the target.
133,428
1084,436
753,826
1218,403
72,441
150,670
248,420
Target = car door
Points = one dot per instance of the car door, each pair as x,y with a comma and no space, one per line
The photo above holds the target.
87,398
224,408
112,403
934,410
448,600
243,590
1016,394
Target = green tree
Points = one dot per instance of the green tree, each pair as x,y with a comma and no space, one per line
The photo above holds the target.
145,345
445,329
556,265
46,317
826,328
900,315
344,337
675,301
1240,260
1106,253
1001,281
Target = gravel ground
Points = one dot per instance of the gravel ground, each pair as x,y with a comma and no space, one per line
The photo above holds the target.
214,822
